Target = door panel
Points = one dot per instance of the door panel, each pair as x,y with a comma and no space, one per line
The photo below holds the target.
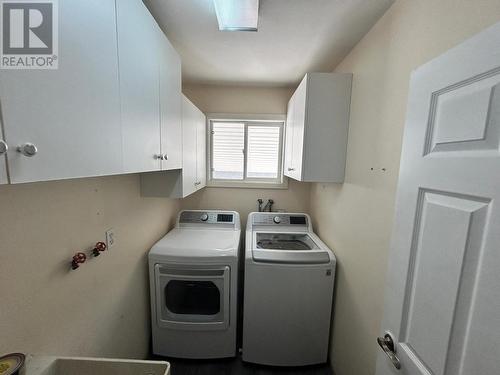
139,86
288,168
201,149
189,152
170,104
448,241
299,120
73,116
442,300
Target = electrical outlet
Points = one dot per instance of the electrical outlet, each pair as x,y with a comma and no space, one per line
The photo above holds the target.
110,238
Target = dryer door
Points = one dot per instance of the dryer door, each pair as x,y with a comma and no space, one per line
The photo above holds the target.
192,298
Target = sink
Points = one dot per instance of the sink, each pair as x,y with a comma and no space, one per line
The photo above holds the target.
41,365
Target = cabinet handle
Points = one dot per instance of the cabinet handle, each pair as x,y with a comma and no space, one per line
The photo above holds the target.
3,147
159,157
28,149
291,169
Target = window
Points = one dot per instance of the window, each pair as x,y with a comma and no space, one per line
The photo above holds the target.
246,152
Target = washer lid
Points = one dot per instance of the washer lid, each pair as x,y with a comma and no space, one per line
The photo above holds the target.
195,243
298,248
285,241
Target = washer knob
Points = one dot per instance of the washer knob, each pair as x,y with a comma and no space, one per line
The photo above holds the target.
277,219
204,217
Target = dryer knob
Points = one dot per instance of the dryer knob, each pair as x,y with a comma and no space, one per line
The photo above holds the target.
204,217
277,219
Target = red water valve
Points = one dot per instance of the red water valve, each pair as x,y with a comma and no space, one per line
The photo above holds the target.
99,247
78,258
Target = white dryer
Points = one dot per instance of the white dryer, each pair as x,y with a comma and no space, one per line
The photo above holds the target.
288,291
193,274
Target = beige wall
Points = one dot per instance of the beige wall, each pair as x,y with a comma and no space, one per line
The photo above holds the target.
102,308
245,100
356,218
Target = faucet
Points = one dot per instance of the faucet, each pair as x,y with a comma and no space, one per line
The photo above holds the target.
260,201
269,206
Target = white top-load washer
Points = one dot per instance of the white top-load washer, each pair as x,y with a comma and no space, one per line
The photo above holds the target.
289,278
193,274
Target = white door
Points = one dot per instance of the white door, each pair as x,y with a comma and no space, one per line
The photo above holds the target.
139,87
443,288
3,161
170,104
72,114
201,149
189,152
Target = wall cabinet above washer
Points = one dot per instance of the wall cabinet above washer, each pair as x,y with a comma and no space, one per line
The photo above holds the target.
316,128
192,176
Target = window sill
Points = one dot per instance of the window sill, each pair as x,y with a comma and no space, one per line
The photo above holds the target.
248,185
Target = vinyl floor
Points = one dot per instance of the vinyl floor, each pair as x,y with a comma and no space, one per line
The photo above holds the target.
236,367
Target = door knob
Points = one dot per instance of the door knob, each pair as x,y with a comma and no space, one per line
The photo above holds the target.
387,345
3,147
28,149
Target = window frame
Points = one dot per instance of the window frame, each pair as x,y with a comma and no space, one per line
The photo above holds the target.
260,120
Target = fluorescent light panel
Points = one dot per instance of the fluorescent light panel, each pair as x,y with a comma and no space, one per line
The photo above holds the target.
237,15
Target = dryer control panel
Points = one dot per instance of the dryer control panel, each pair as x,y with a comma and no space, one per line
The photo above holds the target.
207,217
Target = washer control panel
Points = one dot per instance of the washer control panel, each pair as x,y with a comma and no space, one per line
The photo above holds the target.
206,217
279,219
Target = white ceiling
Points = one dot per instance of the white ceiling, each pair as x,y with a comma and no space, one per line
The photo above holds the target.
294,37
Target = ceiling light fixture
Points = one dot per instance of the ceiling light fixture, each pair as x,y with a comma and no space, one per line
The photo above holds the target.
237,15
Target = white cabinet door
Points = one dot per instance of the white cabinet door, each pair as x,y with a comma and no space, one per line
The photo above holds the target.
288,167
170,104
442,302
3,161
189,153
299,119
72,114
139,86
201,149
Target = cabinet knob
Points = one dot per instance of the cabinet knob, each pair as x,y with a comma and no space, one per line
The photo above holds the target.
165,157
3,147
28,149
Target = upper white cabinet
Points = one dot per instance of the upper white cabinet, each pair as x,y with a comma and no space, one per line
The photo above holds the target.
170,104
71,115
113,106
139,54
192,177
317,127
